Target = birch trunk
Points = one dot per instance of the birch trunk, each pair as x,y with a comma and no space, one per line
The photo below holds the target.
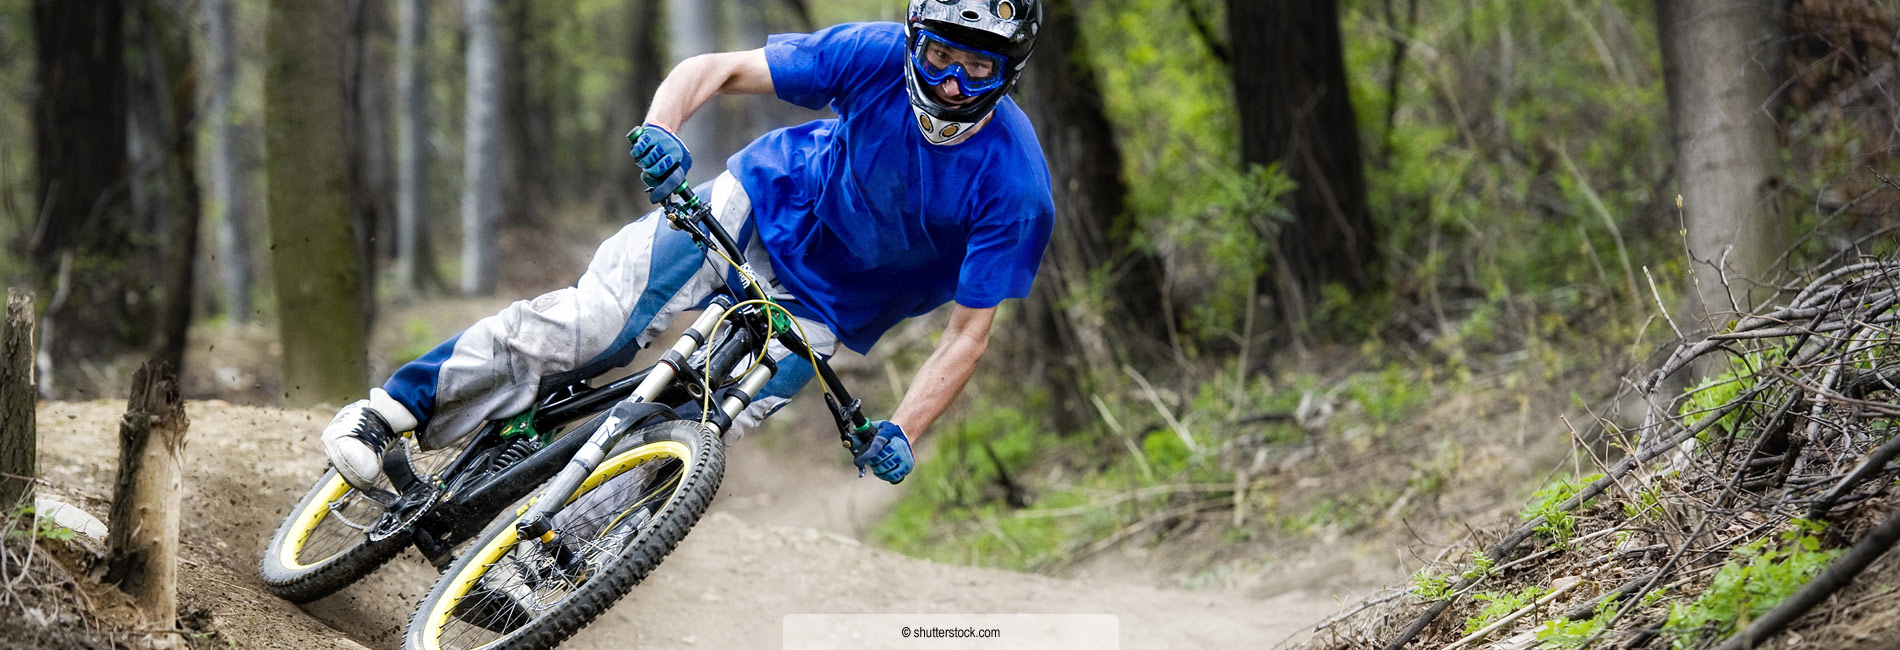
1720,63
481,189
227,208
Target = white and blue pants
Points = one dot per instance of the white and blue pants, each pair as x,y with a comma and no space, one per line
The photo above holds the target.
639,280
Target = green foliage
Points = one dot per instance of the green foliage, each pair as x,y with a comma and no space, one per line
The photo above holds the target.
1498,604
43,527
1491,147
1390,395
1188,196
17,164
1717,391
1758,575
1481,565
417,339
1565,634
956,512
1558,525
1345,512
1430,586
1168,455
1644,503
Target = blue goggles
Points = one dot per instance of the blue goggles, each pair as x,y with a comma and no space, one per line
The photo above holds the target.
937,60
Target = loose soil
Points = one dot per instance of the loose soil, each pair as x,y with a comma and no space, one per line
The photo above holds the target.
758,557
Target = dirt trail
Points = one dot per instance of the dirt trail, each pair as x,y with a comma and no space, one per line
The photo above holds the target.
728,586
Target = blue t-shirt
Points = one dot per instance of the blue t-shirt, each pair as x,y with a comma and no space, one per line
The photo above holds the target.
868,224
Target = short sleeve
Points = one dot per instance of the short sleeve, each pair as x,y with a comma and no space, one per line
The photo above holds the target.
1004,251
828,66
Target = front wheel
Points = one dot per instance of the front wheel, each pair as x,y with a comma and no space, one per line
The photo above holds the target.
627,516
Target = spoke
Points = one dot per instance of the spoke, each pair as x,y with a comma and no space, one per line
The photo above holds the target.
532,579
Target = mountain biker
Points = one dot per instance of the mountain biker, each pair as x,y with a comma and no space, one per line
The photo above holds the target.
929,186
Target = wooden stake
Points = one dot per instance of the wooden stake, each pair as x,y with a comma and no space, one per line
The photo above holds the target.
19,441
143,539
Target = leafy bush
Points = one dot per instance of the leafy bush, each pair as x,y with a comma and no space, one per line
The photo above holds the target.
43,527
1565,634
1755,578
1497,605
1715,392
1558,525
1430,585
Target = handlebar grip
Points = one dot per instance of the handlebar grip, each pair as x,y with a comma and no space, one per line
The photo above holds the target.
685,192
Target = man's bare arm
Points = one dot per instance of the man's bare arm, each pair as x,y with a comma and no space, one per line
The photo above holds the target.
699,78
946,371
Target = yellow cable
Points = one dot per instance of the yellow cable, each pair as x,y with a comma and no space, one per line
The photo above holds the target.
705,378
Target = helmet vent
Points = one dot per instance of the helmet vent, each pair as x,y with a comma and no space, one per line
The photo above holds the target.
971,15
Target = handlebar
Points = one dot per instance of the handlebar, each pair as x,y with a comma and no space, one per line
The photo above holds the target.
687,212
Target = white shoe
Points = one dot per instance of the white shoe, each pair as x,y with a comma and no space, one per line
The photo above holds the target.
355,439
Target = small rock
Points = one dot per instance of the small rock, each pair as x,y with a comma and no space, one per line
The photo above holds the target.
70,516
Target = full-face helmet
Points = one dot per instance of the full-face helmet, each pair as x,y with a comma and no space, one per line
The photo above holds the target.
964,55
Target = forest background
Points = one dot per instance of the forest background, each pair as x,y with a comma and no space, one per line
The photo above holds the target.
1325,269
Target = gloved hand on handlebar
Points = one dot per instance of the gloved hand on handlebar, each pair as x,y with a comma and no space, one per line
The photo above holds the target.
888,453
663,160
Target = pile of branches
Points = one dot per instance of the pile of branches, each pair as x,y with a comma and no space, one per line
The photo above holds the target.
1790,447
42,603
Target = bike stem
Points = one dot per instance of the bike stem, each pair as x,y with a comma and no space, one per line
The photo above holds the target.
687,212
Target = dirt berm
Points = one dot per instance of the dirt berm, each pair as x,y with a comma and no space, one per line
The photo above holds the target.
728,586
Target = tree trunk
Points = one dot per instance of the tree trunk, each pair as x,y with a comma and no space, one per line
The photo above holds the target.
1719,69
646,54
164,102
19,440
372,188
1071,336
694,28
416,271
314,254
228,205
1290,86
517,167
481,188
81,245
142,542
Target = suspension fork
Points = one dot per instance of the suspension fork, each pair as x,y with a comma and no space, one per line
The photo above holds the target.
537,522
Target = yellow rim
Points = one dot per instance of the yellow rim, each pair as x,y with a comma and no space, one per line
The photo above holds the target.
307,523
501,544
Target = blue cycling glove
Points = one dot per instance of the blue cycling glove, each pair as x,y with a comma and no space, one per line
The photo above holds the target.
888,455
663,160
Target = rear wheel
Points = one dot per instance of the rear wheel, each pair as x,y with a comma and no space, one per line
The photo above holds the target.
323,544
321,547
627,516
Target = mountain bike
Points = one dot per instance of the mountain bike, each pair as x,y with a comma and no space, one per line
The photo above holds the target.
542,521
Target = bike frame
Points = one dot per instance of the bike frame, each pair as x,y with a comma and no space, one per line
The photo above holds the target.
451,506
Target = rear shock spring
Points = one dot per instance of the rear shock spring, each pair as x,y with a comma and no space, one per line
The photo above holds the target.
517,450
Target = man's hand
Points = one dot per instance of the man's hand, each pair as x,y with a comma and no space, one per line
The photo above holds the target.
888,454
663,160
